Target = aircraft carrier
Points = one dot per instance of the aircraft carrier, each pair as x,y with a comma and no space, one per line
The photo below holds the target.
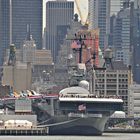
73,112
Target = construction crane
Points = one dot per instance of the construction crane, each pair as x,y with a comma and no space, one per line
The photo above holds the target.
80,14
79,11
87,19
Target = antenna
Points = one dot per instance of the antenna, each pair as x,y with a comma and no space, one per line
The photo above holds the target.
28,32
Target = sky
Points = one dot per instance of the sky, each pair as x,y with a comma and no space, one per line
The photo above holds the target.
83,5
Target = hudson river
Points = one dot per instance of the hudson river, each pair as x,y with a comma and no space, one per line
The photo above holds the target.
105,136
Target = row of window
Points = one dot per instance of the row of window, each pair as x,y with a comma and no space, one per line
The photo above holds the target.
60,5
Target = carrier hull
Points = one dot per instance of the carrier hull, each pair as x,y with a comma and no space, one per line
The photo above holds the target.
78,126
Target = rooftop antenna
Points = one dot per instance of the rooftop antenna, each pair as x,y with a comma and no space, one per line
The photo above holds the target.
28,32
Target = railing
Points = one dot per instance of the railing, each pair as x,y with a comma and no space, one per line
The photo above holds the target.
84,115
88,96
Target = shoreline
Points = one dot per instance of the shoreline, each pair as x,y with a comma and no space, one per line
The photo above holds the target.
122,130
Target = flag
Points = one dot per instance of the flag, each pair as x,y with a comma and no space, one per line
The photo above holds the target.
82,107
75,44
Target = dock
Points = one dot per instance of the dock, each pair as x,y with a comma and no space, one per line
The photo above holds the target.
19,131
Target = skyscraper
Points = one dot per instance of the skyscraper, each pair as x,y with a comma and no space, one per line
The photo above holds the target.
135,41
4,27
99,17
58,17
122,35
136,4
116,6
16,15
0,29
0,19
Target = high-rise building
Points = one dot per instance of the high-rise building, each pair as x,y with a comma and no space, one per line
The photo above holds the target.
58,17
116,6
0,37
121,36
4,27
99,17
15,16
135,19
137,4
0,21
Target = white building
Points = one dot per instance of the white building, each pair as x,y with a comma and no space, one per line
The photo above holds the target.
134,101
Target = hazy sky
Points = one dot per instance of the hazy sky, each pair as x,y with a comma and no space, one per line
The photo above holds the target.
83,5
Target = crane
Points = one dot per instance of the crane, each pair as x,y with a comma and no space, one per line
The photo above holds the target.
80,14
79,11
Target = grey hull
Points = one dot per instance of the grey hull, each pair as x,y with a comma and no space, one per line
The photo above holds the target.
78,126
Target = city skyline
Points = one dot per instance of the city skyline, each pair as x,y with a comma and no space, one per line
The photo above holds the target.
15,16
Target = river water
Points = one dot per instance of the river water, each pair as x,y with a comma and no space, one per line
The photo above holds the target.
105,136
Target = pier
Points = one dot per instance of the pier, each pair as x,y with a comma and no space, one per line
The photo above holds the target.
16,131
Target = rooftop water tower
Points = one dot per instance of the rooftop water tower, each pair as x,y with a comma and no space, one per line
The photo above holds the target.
108,55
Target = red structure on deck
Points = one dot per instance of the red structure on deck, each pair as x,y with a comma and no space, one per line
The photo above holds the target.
87,41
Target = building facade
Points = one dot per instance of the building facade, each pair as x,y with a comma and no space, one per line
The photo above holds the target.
1,48
136,3
113,83
99,17
115,6
58,17
136,44
15,16
134,101
121,36
31,63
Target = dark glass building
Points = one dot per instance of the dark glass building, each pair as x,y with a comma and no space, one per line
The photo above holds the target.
135,18
15,15
58,18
